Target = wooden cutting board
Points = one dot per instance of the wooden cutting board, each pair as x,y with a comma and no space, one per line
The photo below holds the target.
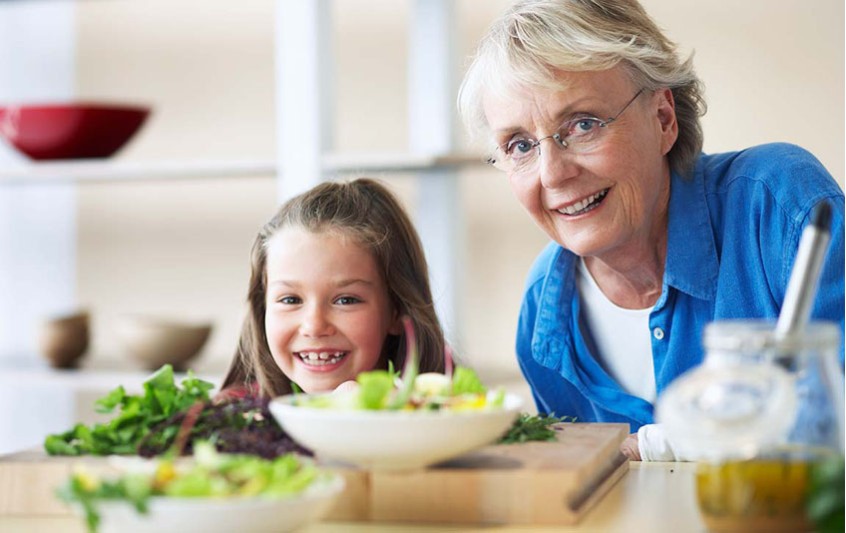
544,483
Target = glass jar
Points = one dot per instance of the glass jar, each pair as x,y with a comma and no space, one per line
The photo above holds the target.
757,415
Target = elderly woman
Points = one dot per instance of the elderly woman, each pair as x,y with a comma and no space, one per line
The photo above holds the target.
595,120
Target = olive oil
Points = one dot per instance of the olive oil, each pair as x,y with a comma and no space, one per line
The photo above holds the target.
766,494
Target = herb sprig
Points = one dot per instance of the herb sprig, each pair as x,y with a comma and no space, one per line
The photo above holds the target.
825,495
533,428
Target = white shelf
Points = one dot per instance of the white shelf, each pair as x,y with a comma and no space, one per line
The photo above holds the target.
398,162
111,171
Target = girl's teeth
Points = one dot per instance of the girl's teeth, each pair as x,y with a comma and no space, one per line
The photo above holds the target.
321,358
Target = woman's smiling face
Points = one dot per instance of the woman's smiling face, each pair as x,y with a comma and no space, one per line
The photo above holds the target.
328,309
598,201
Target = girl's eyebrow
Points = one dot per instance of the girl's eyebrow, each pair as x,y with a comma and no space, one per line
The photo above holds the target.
286,283
353,281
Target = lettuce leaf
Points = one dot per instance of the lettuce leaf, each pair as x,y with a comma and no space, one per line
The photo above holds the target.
466,381
374,389
136,415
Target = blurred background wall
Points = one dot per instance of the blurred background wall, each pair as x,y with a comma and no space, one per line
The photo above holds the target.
774,71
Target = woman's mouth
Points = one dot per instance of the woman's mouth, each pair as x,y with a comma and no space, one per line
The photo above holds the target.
584,205
321,358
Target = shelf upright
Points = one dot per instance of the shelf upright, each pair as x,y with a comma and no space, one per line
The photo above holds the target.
304,88
37,221
431,93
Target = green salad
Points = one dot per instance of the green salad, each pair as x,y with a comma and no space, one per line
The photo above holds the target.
137,414
460,390
383,390
209,475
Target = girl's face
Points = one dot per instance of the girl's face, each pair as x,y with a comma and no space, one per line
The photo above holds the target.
328,309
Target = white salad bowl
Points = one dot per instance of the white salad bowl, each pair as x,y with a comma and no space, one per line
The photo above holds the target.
392,440
253,514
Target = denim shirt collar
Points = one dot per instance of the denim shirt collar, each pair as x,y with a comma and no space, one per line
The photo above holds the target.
691,265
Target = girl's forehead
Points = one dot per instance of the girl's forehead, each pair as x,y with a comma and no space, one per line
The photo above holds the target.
328,234
305,253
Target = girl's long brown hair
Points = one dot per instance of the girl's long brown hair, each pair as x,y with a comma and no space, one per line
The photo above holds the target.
365,211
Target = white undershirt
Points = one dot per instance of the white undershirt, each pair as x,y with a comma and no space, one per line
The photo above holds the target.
622,337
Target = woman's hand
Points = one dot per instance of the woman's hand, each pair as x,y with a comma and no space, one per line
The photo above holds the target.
630,448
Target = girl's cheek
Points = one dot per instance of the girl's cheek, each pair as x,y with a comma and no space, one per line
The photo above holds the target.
271,328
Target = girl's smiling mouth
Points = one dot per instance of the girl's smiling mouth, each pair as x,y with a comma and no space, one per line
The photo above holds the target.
584,205
321,358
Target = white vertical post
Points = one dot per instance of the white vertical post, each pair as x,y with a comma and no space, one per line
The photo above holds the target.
430,103
304,82
37,222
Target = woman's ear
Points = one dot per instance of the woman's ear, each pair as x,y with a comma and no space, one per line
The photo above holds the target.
667,119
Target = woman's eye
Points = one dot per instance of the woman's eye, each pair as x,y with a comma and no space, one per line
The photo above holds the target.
347,300
518,148
582,127
289,300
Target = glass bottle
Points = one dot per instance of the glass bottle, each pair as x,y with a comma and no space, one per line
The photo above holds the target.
757,415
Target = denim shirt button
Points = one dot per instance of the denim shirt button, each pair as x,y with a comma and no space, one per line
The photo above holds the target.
658,333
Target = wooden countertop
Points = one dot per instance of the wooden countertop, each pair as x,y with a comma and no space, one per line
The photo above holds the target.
655,497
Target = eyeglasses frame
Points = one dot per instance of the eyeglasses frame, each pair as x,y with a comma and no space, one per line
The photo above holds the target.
559,141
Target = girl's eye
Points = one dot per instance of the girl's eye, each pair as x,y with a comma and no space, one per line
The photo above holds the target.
518,148
289,300
347,300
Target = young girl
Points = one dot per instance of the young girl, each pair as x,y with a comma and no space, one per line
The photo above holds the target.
333,273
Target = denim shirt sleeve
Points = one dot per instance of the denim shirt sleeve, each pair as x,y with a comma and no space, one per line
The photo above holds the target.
760,202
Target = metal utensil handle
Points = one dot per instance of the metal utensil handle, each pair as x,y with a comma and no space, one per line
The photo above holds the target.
802,287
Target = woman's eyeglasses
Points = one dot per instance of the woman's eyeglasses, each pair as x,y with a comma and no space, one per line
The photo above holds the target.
578,135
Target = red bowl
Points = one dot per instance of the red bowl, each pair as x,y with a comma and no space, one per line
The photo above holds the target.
70,131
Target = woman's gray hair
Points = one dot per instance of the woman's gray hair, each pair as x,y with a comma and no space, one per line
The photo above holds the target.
536,38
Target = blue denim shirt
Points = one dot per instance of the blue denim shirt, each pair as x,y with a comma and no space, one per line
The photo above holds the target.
734,229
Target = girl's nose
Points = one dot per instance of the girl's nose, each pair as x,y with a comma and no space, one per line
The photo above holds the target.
555,166
316,323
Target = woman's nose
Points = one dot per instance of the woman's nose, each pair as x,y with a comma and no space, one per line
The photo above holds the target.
555,166
316,322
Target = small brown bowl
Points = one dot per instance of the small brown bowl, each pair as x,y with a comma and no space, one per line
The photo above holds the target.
155,341
64,339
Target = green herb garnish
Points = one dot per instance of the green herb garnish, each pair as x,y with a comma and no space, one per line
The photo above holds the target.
137,414
533,428
825,499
